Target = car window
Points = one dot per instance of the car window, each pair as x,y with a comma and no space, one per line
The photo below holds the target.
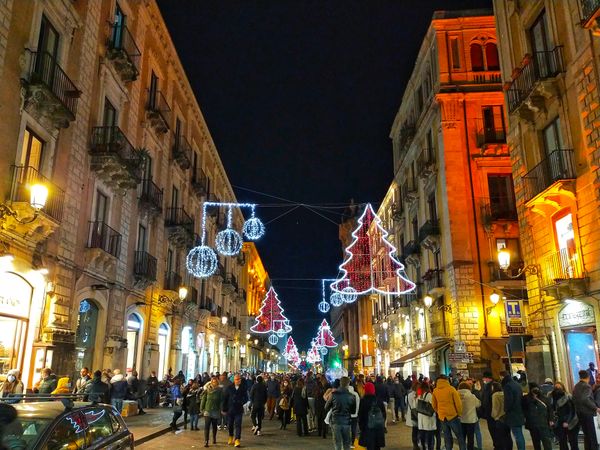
99,424
116,425
68,434
24,432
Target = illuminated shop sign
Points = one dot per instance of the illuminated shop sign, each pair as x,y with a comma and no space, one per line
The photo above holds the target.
15,295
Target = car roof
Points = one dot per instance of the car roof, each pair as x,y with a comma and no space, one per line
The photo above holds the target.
49,410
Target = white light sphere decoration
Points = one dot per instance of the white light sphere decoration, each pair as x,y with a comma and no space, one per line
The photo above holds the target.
273,339
336,299
201,261
324,307
323,350
280,332
228,242
349,294
253,228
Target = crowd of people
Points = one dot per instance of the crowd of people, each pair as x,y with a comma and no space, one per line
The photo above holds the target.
440,413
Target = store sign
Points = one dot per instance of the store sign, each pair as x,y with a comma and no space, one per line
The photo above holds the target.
463,357
576,314
15,295
515,323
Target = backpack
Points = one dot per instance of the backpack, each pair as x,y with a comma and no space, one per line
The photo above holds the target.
375,417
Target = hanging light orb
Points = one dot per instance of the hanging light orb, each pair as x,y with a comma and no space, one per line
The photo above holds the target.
228,242
253,228
349,294
323,350
336,299
201,261
273,339
280,332
324,307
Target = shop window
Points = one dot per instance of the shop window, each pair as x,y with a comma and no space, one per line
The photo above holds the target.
163,348
85,336
134,329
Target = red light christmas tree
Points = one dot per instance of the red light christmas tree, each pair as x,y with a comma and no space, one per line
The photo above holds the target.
370,265
324,336
271,318
291,352
313,356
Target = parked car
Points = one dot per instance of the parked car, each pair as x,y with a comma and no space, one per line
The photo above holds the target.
52,426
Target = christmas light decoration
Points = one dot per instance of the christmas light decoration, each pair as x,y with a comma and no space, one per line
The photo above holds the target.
253,228
324,307
323,350
270,318
336,299
313,356
201,261
349,294
324,336
291,352
273,339
228,241
364,270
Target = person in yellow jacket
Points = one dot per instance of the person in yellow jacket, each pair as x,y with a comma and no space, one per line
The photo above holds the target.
448,407
63,387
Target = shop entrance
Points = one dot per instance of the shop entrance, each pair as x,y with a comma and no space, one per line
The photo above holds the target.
85,337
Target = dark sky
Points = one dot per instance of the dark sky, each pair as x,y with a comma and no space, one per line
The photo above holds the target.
299,97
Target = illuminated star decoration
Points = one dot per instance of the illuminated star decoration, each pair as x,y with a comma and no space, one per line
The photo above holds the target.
271,319
370,265
291,352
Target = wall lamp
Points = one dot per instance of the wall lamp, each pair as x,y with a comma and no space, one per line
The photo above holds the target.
182,294
428,301
504,264
37,200
494,298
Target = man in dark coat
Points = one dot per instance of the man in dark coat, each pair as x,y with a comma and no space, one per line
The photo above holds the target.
136,391
383,395
300,405
152,386
586,409
273,394
342,404
513,409
96,390
485,411
234,398
258,398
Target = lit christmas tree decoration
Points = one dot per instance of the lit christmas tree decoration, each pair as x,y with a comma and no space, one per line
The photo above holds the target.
253,228
363,270
313,356
291,352
325,337
201,261
270,318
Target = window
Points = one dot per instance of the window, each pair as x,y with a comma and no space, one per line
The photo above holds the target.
493,123
33,151
134,329
484,57
415,228
455,49
119,24
148,168
565,241
101,213
177,130
109,118
99,423
142,238
552,137
502,197
491,56
68,433
163,343
541,46
174,197
152,91
170,260
477,64
48,40
432,209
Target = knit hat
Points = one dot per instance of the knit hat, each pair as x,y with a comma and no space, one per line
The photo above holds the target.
369,388
548,380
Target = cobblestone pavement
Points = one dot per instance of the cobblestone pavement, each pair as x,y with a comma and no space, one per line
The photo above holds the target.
397,438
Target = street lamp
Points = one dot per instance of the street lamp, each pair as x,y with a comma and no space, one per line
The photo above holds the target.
37,200
494,298
504,264
345,348
183,292
428,301
248,337
255,341
384,325
224,320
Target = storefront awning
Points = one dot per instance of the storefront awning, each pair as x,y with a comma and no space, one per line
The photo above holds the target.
493,346
427,348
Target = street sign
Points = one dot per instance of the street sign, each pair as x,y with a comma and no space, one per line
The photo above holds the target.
514,316
464,357
460,347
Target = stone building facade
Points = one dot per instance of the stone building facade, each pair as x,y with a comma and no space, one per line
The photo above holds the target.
549,59
97,107
451,206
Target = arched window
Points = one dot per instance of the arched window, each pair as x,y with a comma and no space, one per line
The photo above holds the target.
491,56
134,330
163,348
477,58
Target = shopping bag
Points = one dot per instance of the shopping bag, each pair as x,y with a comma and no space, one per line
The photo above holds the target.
358,447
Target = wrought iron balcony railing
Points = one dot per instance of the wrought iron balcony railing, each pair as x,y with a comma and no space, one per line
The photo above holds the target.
151,195
111,141
559,165
429,228
433,279
123,50
411,248
26,176
514,272
562,266
499,208
182,152
144,266
172,281
490,133
426,161
200,182
178,217
101,236
159,111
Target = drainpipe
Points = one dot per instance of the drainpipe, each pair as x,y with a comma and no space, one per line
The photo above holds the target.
475,224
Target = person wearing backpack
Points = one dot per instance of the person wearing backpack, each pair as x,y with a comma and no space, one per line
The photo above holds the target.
371,420
426,424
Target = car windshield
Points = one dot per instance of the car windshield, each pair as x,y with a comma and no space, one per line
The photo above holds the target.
23,433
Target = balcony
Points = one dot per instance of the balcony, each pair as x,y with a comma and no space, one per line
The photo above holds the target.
497,210
144,269
549,181
193,295
51,214
172,282
410,192
434,281
590,11
124,53
158,111
533,82
180,227
429,234
230,284
426,163
204,308
115,159
563,274
105,238
150,197
182,152
49,94
406,135
199,182
220,271
412,252
491,139
241,297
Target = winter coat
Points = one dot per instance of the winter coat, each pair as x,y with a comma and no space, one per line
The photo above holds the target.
399,391
311,385
152,384
119,387
389,385
342,405
424,422
48,385
15,388
286,392
80,384
135,387
300,401
63,386
319,403
211,400
583,399
513,398
411,404
497,412
470,403
234,399
97,391
446,401
381,392
273,388
564,409
354,414
193,401
537,414
486,401
370,437
258,395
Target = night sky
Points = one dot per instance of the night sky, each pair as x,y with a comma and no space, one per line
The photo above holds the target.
300,97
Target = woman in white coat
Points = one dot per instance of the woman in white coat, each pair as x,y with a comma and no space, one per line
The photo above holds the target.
468,418
411,415
427,424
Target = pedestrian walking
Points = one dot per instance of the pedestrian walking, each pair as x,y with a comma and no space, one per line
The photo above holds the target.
383,395
177,397
284,404
370,420
513,408
341,404
354,415
193,405
320,407
152,385
592,373
485,411
501,431
301,408
426,424
258,399
118,390
537,418
448,406
468,418
566,426
273,394
412,414
586,410
310,385
400,399
210,406
234,398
